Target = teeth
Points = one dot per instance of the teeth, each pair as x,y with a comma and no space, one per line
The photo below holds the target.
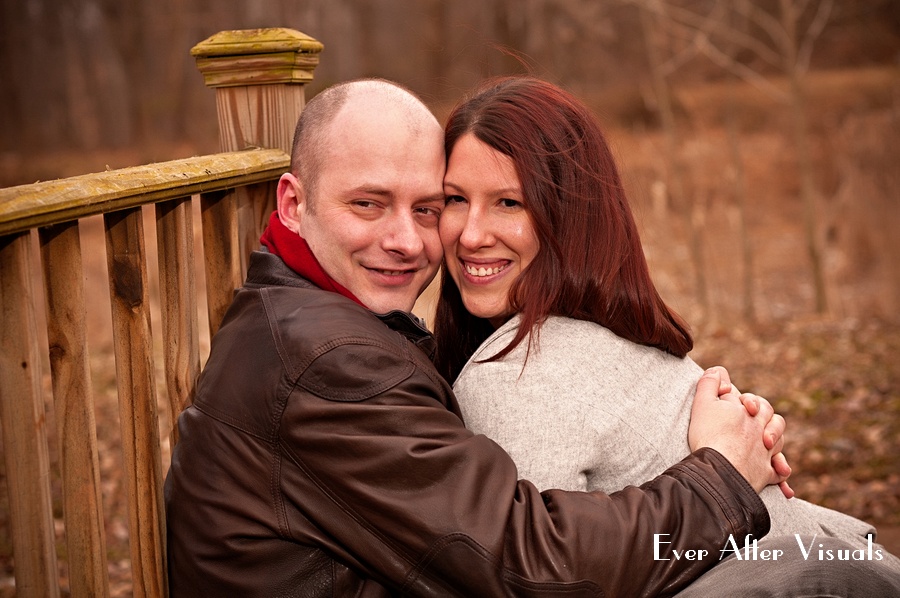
392,272
482,271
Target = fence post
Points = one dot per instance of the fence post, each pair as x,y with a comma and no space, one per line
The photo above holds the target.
259,77
24,424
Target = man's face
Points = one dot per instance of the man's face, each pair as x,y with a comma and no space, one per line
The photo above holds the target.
372,222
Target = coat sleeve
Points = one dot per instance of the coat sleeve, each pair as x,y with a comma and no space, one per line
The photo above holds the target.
400,490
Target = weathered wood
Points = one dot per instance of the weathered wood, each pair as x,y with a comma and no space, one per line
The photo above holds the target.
24,425
74,405
178,304
258,76
137,400
257,57
264,205
246,117
254,205
258,70
263,116
52,202
221,250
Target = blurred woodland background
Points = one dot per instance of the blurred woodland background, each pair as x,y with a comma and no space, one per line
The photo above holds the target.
759,142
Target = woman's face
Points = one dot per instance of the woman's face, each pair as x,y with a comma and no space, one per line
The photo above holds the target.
486,231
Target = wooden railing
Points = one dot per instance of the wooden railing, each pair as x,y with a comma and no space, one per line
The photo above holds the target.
258,76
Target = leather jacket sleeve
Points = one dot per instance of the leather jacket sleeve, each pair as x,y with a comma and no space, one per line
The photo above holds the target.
376,466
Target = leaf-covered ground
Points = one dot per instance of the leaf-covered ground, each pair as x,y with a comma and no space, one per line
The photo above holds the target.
838,385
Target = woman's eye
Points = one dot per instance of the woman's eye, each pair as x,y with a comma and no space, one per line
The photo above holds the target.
510,203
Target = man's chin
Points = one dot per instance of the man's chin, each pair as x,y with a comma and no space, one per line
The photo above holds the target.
382,303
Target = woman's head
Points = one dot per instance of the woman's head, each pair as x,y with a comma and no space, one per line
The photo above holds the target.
587,261
487,232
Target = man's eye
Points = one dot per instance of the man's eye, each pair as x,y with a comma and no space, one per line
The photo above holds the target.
429,211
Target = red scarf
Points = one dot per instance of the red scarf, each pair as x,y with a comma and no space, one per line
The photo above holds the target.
295,252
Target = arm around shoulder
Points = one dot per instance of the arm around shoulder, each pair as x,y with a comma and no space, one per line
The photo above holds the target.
404,492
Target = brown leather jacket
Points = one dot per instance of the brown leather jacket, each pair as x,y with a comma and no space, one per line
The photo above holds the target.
325,456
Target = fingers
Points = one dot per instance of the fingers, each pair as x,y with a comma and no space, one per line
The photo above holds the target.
786,489
724,379
773,440
759,406
776,448
751,403
726,428
782,472
780,465
774,431
755,404
779,471
708,386
782,483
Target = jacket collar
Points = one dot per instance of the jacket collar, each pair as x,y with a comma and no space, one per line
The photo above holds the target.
266,269
295,252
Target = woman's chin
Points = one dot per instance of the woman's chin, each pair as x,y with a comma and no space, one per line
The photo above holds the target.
495,314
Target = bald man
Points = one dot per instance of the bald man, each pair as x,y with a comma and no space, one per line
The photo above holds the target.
325,456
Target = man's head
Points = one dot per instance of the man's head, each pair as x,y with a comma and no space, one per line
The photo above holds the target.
365,190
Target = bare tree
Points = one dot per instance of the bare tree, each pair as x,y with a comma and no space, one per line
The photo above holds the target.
653,14
739,193
785,43
796,52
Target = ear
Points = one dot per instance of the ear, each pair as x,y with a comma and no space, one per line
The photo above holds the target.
291,201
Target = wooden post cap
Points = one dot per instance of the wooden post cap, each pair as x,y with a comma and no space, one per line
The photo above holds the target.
257,57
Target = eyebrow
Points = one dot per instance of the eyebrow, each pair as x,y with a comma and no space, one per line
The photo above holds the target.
371,190
503,191
384,192
436,197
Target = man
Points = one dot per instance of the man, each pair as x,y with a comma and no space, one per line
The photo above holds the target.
324,455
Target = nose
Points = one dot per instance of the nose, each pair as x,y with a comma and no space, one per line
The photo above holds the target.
476,230
402,236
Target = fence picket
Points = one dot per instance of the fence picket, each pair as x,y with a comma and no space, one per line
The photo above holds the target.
74,405
24,424
178,304
138,418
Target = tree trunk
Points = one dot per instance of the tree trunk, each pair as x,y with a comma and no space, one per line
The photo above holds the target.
685,205
801,141
739,191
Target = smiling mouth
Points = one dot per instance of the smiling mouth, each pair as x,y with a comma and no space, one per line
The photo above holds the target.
481,271
393,273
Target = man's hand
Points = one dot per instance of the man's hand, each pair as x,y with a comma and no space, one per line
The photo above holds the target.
774,429
743,428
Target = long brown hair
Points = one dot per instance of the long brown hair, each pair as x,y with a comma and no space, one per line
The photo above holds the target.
590,265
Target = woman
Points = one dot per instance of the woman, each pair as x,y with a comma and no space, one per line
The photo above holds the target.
561,349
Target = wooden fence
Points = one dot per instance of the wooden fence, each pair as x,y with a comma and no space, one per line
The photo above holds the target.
259,78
